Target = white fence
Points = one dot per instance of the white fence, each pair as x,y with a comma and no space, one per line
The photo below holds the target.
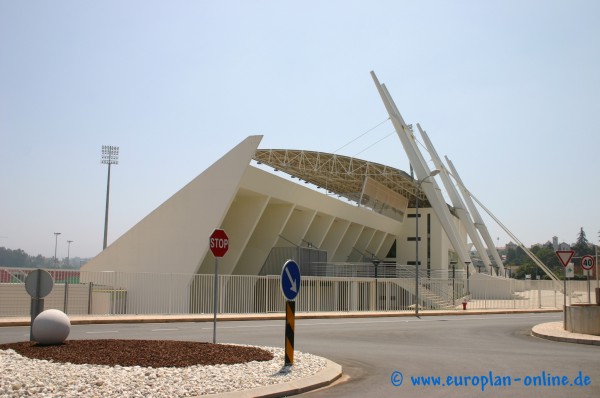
109,293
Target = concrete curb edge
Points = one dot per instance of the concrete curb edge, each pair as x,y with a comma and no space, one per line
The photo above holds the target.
537,332
325,377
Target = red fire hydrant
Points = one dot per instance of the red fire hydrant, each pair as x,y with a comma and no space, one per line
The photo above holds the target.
464,303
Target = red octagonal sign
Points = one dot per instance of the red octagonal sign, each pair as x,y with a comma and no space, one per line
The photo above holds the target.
219,243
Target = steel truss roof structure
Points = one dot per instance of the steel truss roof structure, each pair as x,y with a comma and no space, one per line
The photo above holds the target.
340,175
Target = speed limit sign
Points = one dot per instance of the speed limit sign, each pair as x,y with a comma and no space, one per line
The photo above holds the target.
587,262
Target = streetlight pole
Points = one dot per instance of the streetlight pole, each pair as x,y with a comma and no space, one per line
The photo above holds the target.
453,264
467,266
69,253
110,155
417,300
597,280
55,246
597,266
376,262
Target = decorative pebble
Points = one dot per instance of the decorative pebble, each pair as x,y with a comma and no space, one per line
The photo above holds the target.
74,380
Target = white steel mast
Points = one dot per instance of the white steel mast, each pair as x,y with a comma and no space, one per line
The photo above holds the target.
459,205
467,194
479,224
422,171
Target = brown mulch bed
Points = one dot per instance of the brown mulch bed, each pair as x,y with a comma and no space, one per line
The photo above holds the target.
147,353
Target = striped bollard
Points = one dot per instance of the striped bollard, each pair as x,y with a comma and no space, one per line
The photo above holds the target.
290,287
290,325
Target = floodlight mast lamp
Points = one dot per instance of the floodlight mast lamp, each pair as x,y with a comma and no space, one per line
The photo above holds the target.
110,155
421,181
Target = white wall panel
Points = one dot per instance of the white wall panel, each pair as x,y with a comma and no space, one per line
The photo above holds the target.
263,238
296,227
346,249
175,236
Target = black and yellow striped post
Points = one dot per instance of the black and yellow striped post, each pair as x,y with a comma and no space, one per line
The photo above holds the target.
290,286
290,325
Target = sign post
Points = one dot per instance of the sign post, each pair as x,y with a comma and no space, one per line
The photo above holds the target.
290,287
587,263
565,257
597,278
219,244
38,284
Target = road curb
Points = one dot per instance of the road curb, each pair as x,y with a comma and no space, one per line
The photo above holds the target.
325,377
554,331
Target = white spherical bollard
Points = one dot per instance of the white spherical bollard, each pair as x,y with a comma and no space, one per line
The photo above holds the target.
51,327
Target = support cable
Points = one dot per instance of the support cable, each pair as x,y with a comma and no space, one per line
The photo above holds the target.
375,143
363,134
521,245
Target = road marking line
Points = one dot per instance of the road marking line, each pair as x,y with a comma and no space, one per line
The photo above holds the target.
105,331
163,330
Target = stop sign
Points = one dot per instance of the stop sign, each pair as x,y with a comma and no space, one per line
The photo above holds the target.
219,243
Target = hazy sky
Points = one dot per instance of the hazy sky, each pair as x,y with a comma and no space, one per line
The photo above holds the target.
509,90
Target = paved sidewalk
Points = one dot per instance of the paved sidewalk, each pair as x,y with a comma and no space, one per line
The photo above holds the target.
106,319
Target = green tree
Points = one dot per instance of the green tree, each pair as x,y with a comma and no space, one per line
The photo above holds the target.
582,247
515,256
13,258
546,254
18,258
526,268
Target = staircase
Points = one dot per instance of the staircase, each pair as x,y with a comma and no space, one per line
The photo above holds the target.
428,298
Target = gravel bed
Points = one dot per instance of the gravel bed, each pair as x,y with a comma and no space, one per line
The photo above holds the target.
25,377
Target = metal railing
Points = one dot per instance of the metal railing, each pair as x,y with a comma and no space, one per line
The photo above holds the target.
114,293
381,270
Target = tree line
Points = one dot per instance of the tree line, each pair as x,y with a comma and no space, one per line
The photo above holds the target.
516,257
19,259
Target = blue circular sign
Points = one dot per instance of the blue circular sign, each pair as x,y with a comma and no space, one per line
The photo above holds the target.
290,280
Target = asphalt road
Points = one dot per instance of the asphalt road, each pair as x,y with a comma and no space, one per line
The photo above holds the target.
375,353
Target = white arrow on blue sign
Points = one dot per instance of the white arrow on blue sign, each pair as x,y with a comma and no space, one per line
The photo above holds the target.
290,280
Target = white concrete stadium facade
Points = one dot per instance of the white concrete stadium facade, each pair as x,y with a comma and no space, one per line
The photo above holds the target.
260,210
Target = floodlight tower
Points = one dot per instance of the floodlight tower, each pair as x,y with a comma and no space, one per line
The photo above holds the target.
110,155
69,253
55,246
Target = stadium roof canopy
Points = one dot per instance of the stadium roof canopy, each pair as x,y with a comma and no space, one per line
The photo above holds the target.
340,175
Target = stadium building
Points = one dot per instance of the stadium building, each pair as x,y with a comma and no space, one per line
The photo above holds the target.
331,211
336,216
